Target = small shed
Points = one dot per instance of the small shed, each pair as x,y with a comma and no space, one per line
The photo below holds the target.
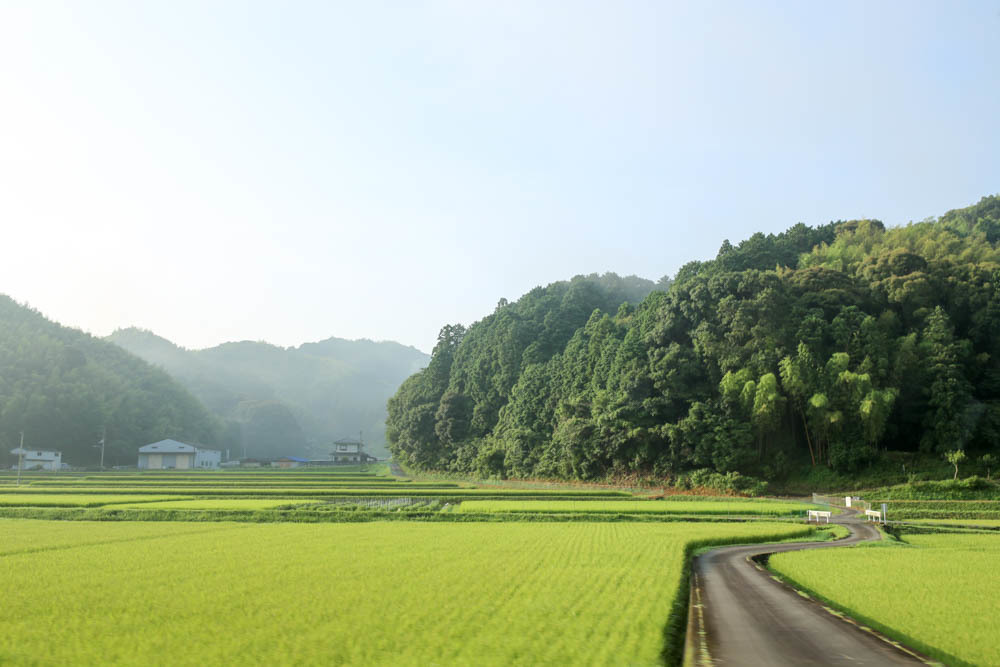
289,462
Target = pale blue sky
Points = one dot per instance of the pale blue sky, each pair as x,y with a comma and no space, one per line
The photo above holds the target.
288,171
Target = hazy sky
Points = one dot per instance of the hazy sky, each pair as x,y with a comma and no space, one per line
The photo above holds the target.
289,171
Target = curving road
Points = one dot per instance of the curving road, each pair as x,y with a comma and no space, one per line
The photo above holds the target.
741,616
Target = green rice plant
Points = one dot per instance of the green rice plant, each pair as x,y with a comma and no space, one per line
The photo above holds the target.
943,509
936,594
325,493
28,536
210,504
74,500
711,507
990,523
222,484
373,593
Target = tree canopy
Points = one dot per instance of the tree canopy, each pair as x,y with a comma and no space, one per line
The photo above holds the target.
64,389
825,346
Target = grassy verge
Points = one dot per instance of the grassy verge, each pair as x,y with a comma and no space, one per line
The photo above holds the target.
930,593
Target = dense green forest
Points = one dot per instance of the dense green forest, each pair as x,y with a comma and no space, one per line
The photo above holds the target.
278,401
823,347
63,388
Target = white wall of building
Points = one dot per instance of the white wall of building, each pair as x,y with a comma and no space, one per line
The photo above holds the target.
38,458
207,459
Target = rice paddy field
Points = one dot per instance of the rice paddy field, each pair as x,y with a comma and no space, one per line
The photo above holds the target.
687,506
355,566
208,504
936,593
374,593
906,510
75,499
987,523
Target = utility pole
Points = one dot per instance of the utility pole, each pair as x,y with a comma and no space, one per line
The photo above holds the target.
100,443
20,459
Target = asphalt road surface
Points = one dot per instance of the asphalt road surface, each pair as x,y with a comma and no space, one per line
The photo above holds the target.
748,618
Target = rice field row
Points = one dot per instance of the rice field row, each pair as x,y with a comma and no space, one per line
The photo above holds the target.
246,483
710,507
943,509
989,523
207,504
320,492
937,594
77,500
374,594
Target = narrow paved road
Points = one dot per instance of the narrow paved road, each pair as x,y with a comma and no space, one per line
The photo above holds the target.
750,619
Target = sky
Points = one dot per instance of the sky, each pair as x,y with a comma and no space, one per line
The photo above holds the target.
217,171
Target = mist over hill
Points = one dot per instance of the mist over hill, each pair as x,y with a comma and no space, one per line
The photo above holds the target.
295,401
63,388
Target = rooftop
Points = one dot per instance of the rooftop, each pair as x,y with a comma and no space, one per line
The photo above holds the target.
169,446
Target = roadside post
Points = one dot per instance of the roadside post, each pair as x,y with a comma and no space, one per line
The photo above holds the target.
20,459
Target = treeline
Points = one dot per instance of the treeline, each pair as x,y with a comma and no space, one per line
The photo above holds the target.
821,346
64,388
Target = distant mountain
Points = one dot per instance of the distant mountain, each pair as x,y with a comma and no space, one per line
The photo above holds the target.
277,400
63,388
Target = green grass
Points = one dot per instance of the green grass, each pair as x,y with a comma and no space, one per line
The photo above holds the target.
938,594
971,488
75,500
376,593
711,507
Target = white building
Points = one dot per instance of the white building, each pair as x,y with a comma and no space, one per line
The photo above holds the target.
347,450
174,455
35,459
350,450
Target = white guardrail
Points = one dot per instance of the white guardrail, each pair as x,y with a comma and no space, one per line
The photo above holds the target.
852,502
874,515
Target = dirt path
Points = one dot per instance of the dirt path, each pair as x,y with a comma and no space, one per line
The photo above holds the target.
747,618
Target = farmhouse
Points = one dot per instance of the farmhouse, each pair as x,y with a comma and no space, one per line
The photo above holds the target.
347,450
171,454
35,459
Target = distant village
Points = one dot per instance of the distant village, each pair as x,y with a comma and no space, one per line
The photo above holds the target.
175,455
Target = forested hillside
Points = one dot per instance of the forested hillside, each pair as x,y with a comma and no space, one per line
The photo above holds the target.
819,346
62,387
287,401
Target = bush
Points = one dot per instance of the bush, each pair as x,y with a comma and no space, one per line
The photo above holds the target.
730,482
